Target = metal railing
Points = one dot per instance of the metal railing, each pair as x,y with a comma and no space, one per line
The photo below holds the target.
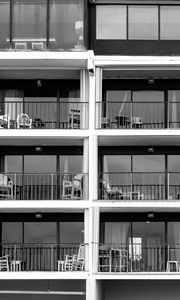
139,186
136,115
44,115
54,186
40,257
135,257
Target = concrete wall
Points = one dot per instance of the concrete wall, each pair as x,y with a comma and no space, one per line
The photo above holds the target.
142,289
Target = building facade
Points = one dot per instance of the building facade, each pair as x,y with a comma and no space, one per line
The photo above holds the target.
89,149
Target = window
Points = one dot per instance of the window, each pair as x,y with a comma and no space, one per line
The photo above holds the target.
143,22
170,23
111,22
29,22
4,24
66,24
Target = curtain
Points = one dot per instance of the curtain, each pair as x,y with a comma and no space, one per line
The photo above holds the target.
116,233
13,103
174,251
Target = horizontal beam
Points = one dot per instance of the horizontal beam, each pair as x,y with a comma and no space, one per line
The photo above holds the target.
42,292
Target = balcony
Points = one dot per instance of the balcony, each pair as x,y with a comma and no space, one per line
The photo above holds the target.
135,257
139,186
44,257
44,115
44,186
138,115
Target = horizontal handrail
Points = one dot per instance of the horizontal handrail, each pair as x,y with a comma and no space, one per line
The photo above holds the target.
48,186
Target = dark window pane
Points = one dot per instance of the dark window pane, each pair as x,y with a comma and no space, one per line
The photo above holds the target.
71,163
148,163
36,232
148,96
143,22
66,24
174,163
29,23
111,22
12,232
71,232
39,164
117,163
13,164
174,108
117,233
4,24
170,23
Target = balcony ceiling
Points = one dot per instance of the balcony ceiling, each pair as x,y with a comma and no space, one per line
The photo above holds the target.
45,65
115,67
139,137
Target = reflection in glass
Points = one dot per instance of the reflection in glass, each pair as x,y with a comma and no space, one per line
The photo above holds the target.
148,163
71,164
71,232
143,22
4,24
40,232
12,232
169,22
66,24
111,22
39,164
29,23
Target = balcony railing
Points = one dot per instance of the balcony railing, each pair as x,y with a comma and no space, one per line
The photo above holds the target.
138,258
136,115
44,186
139,186
44,257
44,115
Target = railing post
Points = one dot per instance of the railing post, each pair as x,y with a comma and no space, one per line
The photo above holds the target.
52,260
168,195
15,186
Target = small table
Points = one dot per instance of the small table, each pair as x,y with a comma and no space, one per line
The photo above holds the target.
15,265
61,266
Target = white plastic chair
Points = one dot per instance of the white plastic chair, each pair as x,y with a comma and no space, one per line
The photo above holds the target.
24,121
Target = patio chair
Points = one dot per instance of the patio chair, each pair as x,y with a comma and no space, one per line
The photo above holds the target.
137,122
79,260
6,187
4,263
24,121
73,189
111,192
74,119
5,121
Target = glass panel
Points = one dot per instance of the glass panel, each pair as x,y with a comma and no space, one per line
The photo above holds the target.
117,233
174,240
39,164
4,24
13,103
40,233
111,22
143,22
13,164
117,163
174,109
169,22
29,24
42,111
174,163
149,254
148,163
148,96
66,24
12,232
71,232
71,163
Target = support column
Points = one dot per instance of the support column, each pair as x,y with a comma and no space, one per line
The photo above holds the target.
87,239
95,244
84,99
94,289
93,167
98,96
85,170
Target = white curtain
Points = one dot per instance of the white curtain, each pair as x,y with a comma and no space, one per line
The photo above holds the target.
116,233
13,103
174,253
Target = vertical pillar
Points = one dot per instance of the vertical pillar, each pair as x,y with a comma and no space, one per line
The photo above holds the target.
84,101
85,169
98,96
87,239
95,243
94,289
93,167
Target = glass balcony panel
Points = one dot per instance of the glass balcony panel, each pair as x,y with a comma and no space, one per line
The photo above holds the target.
4,24
29,24
143,22
111,22
174,186
169,22
66,24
